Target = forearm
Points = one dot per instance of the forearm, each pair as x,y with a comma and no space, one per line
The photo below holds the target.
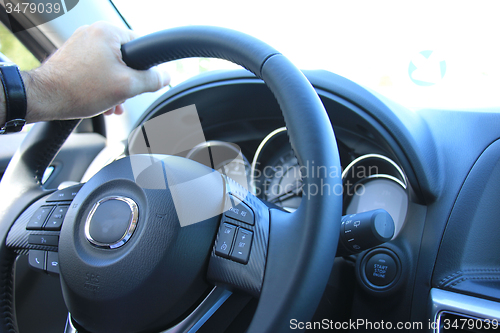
34,98
44,102
50,95
37,109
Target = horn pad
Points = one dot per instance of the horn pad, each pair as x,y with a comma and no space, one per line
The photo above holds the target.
157,273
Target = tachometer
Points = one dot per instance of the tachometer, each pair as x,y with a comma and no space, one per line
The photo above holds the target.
275,171
372,182
225,157
283,184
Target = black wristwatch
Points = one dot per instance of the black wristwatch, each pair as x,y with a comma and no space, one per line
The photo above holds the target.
15,98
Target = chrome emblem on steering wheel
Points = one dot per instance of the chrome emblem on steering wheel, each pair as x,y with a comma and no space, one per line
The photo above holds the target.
111,222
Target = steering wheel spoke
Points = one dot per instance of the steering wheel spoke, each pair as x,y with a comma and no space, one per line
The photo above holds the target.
193,321
36,230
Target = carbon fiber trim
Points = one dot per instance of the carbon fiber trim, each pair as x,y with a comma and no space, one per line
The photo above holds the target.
17,238
247,277
9,323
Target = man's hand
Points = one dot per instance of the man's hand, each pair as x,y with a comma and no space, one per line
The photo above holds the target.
87,76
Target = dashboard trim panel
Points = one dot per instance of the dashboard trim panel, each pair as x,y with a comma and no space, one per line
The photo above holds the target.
447,301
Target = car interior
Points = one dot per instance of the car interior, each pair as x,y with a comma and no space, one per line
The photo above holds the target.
260,198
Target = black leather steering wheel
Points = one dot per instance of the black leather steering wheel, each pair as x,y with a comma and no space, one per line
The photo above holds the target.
295,250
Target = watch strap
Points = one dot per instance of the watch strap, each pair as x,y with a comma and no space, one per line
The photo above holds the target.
15,98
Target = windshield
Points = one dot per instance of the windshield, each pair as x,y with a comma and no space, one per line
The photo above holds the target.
419,54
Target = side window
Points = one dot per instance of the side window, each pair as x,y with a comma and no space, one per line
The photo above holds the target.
16,52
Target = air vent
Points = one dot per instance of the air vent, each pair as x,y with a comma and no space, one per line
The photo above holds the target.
456,322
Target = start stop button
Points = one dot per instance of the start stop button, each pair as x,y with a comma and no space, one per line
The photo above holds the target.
379,270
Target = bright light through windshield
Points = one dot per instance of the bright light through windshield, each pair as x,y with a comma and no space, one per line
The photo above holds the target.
419,54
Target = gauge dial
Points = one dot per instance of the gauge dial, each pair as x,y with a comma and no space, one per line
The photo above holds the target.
376,182
237,169
224,157
283,182
381,193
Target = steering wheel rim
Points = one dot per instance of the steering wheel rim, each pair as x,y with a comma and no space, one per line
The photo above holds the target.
311,233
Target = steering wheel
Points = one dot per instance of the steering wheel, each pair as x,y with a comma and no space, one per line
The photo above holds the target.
162,276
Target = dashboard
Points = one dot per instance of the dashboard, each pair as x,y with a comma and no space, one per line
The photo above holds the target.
265,163
246,141
370,181
391,158
245,137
